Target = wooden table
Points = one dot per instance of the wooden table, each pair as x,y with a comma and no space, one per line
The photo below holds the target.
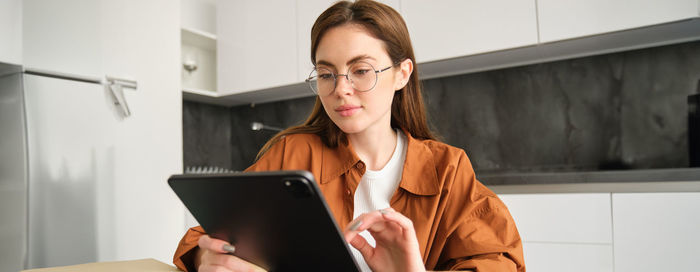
135,265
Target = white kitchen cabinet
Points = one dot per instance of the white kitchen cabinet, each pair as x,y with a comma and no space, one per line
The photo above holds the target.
564,232
63,36
454,28
11,31
561,218
566,19
656,231
137,216
570,257
198,48
257,45
199,15
307,13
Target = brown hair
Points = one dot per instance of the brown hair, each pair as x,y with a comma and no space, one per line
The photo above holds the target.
384,23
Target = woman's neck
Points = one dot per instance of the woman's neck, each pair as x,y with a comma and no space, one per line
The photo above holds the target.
374,146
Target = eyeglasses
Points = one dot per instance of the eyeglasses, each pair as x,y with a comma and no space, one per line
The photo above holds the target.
361,75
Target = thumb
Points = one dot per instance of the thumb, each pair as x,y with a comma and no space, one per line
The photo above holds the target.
216,245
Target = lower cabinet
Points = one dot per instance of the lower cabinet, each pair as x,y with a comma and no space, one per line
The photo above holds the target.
608,231
564,232
656,231
546,257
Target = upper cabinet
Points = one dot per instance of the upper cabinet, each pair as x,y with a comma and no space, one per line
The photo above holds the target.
566,19
447,29
96,38
264,46
198,48
256,45
308,11
58,36
11,31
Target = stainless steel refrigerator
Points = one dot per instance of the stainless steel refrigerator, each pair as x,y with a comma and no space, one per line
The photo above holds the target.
57,154
13,170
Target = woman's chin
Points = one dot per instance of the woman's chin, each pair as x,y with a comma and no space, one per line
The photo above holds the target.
350,128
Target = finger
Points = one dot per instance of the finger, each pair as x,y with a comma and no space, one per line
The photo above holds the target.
213,268
398,218
216,245
231,262
361,223
363,246
394,225
387,210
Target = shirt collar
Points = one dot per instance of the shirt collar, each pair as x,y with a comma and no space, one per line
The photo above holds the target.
419,171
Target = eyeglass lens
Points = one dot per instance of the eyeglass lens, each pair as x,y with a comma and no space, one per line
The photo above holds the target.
361,75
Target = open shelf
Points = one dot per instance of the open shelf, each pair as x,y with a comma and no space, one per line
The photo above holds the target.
198,38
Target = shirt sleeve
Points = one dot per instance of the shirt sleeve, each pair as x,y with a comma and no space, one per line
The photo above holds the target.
184,257
484,236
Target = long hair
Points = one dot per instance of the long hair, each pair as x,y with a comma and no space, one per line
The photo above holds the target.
384,23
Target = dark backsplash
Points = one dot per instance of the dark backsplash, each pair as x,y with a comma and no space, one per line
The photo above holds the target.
617,111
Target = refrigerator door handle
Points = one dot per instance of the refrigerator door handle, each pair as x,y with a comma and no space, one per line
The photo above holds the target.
119,100
126,83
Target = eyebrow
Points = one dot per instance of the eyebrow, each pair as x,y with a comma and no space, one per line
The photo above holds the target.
351,61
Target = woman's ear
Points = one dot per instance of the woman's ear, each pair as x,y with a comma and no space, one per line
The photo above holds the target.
403,74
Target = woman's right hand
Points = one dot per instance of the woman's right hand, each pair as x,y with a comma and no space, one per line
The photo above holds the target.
212,256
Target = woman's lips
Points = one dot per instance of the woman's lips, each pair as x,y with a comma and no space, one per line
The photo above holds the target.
346,111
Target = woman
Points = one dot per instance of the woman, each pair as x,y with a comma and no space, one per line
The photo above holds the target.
406,201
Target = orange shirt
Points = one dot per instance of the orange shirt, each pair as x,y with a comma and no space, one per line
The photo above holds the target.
460,224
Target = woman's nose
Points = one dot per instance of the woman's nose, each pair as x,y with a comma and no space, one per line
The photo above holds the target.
343,85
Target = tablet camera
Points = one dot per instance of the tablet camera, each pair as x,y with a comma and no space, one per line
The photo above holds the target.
297,187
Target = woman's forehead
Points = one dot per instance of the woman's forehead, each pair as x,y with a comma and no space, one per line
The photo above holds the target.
346,44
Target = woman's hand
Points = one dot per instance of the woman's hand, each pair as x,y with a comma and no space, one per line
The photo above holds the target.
397,246
213,255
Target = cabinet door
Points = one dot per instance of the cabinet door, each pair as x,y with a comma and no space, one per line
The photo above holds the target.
257,45
569,257
566,19
563,232
11,31
63,36
561,218
307,12
454,28
656,231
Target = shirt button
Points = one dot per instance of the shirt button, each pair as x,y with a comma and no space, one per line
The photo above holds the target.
360,165
347,192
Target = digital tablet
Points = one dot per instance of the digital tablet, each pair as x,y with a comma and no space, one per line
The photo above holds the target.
276,220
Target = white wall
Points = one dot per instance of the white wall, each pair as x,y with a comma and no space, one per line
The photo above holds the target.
149,216
11,31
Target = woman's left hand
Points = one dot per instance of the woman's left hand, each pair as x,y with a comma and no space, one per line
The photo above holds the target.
396,244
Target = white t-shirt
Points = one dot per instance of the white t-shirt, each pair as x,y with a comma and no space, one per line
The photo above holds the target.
376,189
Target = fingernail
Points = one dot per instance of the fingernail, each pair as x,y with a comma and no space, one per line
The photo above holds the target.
384,211
355,225
229,248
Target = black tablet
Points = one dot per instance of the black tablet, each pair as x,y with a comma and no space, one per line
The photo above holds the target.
277,220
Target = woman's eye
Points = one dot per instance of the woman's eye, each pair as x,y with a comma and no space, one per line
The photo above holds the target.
361,72
325,76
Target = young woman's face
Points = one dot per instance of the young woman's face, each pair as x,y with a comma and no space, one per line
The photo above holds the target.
350,46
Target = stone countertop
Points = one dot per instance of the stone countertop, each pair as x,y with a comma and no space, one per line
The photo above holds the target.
622,181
